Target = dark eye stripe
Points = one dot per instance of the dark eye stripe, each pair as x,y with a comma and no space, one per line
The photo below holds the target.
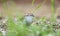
30,15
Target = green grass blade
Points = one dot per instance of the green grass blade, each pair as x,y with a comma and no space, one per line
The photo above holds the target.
6,9
33,1
39,6
53,9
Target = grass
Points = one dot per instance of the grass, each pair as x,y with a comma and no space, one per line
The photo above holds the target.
42,29
21,30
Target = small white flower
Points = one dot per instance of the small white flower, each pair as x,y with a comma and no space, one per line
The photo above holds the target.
4,21
50,34
0,29
4,33
15,19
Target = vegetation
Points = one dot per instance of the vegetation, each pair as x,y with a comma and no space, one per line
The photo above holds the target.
41,29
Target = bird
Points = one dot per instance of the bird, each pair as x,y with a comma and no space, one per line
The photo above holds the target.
28,19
